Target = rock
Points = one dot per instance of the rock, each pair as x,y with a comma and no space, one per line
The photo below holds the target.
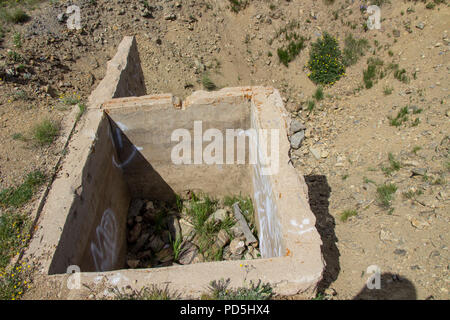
400,252
135,207
248,256
315,153
419,171
330,292
170,16
396,33
250,238
133,263
387,235
198,259
134,233
165,255
419,223
255,253
237,247
222,239
297,139
62,17
149,206
296,126
155,243
420,25
140,242
186,229
220,215
174,226
188,253
237,232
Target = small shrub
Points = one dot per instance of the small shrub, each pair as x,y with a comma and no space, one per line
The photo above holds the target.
401,117
318,94
394,165
208,84
238,5
353,50
287,54
218,290
386,193
17,40
347,214
16,15
311,105
387,90
18,196
45,132
373,73
147,293
325,61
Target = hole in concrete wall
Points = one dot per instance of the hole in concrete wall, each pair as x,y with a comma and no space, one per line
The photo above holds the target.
131,171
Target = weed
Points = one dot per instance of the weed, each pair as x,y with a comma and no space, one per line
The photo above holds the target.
45,132
386,193
17,40
318,95
347,214
387,90
238,5
373,73
176,246
16,15
70,99
14,56
296,44
400,75
394,165
147,293
311,105
17,196
416,148
353,50
82,108
345,177
218,290
208,84
412,194
325,61
401,117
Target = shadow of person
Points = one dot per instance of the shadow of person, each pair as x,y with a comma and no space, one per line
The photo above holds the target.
392,287
319,193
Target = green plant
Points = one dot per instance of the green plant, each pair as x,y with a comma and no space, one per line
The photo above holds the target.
16,15
318,94
70,99
82,108
176,246
295,45
353,50
45,132
311,105
394,165
387,90
147,293
246,206
208,84
17,196
238,5
325,61
347,214
412,194
17,40
219,290
386,193
14,229
416,148
15,56
374,72
400,75
402,116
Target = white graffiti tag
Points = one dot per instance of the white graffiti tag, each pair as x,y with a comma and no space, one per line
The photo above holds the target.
104,247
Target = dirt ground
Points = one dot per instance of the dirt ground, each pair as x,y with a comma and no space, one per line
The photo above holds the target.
349,129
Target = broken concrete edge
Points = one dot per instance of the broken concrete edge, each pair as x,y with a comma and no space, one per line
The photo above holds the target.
298,270
123,77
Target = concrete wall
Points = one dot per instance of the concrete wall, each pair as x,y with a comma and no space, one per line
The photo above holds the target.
145,134
94,233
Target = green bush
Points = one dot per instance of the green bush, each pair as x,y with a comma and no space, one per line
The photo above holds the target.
325,61
296,44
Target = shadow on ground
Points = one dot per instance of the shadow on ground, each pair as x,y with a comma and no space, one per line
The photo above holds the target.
319,193
392,287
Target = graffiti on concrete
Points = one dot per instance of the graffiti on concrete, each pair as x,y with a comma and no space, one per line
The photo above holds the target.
104,247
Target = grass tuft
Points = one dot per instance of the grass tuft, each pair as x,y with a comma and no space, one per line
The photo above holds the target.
45,132
18,196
